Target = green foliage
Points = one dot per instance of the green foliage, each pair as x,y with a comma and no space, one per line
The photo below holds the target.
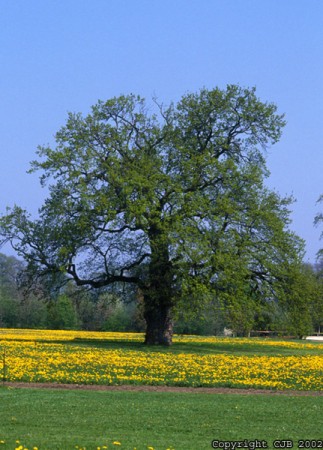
61,314
10,268
118,320
299,309
8,311
316,305
208,322
32,313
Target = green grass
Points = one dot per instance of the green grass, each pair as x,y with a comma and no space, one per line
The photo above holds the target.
59,420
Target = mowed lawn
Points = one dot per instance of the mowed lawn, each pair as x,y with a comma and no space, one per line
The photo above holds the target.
71,419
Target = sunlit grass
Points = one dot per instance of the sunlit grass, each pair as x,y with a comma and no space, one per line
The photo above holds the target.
73,420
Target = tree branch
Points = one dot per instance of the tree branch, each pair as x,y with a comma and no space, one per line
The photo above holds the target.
71,270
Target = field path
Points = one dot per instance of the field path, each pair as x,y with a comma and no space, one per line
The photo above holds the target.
143,388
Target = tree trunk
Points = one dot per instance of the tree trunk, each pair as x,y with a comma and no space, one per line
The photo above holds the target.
158,295
159,329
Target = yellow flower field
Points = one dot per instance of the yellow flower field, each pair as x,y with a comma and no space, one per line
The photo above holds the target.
56,356
65,335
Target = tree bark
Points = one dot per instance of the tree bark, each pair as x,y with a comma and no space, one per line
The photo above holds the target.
159,329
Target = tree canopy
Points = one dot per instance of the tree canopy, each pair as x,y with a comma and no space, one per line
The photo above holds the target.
168,199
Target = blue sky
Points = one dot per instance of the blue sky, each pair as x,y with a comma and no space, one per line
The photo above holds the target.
63,55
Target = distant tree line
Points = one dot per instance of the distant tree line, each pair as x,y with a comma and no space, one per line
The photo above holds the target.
55,304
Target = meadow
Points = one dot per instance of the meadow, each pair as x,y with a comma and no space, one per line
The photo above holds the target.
193,361
57,419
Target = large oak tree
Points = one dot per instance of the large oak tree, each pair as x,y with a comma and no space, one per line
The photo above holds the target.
169,199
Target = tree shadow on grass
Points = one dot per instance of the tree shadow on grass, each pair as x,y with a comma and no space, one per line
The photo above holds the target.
203,348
